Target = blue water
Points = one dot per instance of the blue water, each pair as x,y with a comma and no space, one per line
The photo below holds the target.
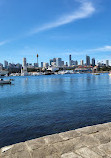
44,105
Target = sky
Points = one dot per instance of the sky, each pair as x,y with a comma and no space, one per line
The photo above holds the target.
54,28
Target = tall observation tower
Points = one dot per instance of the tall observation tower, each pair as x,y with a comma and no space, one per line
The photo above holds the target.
37,59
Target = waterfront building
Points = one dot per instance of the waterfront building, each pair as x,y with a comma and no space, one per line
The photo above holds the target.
82,62
87,60
93,62
1,66
35,65
107,63
5,64
45,65
53,69
30,65
58,62
24,62
53,64
70,60
51,60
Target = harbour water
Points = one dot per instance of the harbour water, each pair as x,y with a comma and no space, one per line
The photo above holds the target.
36,106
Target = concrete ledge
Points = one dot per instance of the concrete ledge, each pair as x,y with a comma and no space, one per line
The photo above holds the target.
88,142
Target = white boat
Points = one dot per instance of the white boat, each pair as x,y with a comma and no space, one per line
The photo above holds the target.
96,73
4,81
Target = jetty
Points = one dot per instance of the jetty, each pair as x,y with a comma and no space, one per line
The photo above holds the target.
88,142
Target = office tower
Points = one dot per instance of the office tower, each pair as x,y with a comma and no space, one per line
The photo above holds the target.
87,60
70,62
76,62
107,63
82,62
5,64
62,63
54,59
93,61
51,60
41,64
45,65
58,62
1,66
66,63
24,62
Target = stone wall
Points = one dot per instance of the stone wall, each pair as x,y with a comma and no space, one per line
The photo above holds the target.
88,142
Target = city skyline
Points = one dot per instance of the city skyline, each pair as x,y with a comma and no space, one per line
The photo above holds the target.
57,28
57,62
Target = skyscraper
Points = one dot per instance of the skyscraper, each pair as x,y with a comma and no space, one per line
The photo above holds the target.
24,62
87,60
82,62
41,64
107,63
5,64
58,62
93,61
70,60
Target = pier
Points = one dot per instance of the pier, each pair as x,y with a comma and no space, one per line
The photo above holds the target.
88,142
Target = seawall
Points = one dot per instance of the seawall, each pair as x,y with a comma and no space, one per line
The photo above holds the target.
88,142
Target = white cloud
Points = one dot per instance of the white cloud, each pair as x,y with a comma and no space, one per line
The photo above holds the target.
101,49
90,51
85,10
4,42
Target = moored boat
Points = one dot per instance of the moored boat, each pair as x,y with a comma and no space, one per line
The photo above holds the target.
96,73
5,81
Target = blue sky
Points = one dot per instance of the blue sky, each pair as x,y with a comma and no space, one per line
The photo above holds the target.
54,28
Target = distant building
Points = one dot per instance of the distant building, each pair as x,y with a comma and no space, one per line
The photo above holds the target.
35,64
1,66
76,62
41,64
24,62
5,64
51,60
54,59
53,64
18,66
45,65
58,62
93,62
107,63
53,69
87,60
82,62
66,63
70,60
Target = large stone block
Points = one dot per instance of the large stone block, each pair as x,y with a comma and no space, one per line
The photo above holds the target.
52,139
69,135
106,148
35,143
87,153
70,155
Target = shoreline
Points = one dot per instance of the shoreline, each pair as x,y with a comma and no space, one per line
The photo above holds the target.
87,142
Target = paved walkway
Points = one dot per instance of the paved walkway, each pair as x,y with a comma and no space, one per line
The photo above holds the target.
88,142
